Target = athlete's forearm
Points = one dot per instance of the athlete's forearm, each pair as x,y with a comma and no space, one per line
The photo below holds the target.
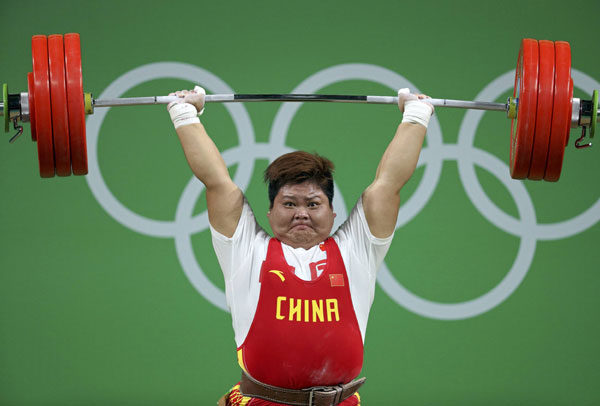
202,155
401,157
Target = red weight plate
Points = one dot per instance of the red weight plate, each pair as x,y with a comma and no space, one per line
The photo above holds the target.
75,103
31,96
561,111
58,96
43,109
522,129
543,120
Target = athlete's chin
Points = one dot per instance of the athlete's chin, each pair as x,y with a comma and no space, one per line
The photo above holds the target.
303,235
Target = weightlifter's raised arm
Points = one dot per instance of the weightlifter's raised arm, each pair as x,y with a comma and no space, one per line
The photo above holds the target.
381,200
224,200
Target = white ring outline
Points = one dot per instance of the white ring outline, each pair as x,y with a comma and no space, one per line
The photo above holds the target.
159,70
528,229
157,228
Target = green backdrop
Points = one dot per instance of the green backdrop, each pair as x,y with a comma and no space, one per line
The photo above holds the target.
490,291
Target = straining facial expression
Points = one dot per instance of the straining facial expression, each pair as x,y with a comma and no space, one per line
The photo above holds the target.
301,215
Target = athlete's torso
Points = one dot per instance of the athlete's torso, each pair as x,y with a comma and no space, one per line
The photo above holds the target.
304,333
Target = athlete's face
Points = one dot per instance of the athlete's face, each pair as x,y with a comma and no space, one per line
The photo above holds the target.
301,215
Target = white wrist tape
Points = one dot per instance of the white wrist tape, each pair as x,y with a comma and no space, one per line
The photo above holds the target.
183,114
417,112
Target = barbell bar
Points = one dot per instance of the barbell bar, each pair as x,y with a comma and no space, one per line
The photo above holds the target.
542,108
231,98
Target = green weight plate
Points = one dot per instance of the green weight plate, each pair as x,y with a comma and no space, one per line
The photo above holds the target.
6,109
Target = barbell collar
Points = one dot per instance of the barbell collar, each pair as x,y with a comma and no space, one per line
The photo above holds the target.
14,105
584,112
24,107
576,113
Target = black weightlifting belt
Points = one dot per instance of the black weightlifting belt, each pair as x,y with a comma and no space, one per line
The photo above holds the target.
314,396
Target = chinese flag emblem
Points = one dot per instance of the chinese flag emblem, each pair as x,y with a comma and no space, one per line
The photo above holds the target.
336,279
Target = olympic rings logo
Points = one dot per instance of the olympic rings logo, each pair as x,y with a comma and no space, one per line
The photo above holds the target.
432,156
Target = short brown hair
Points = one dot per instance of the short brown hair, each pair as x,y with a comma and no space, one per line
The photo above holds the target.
297,167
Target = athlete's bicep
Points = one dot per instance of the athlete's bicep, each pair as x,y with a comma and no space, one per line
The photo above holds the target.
234,252
365,250
381,206
224,204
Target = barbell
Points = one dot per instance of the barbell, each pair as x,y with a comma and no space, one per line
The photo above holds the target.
542,108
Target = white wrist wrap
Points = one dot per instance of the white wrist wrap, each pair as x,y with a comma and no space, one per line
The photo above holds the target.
417,112
183,114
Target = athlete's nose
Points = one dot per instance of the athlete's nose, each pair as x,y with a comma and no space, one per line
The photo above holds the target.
301,213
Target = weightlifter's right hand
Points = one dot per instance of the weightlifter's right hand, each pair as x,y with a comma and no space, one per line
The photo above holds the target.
188,107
